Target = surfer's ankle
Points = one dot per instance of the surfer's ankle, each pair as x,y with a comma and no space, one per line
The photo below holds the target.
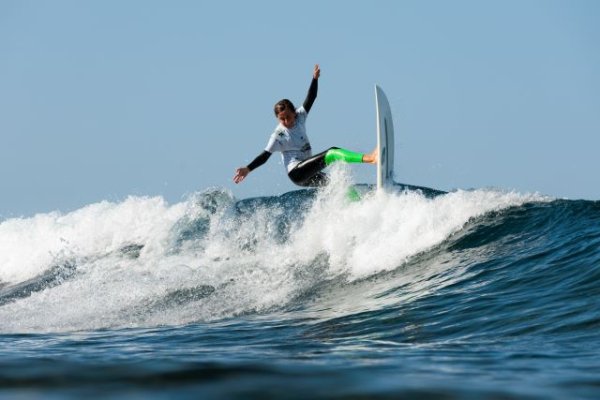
370,158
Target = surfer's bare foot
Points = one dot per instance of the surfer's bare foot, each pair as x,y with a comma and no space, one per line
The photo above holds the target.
372,157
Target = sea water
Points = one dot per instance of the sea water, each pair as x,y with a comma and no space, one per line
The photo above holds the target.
469,294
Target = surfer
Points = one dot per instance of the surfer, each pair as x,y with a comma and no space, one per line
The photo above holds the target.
291,140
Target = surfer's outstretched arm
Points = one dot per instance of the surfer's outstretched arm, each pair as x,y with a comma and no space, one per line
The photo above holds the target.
313,89
242,172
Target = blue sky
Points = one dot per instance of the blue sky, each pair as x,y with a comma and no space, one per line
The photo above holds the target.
101,100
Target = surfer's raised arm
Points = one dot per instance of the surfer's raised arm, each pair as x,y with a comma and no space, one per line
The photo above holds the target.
290,139
287,119
242,172
312,90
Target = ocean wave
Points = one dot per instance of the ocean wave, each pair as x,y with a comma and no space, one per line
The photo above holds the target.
385,267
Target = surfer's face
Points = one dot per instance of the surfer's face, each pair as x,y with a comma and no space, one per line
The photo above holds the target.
287,118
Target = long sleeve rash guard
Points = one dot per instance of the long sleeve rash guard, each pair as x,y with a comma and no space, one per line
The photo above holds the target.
311,96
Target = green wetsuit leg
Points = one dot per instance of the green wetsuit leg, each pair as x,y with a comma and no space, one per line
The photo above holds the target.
337,154
308,172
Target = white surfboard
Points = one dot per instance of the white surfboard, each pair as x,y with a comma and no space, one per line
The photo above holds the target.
385,141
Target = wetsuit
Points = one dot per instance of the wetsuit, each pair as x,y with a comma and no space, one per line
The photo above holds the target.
303,168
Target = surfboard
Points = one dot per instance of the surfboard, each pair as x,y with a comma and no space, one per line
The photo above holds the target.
385,141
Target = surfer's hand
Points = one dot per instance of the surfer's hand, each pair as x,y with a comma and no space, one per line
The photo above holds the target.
316,72
240,174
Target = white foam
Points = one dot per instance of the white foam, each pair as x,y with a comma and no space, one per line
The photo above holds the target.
31,245
382,231
254,264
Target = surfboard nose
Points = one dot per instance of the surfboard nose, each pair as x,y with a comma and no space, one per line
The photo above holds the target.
385,140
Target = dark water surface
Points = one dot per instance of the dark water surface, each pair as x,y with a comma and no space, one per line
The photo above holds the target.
478,294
